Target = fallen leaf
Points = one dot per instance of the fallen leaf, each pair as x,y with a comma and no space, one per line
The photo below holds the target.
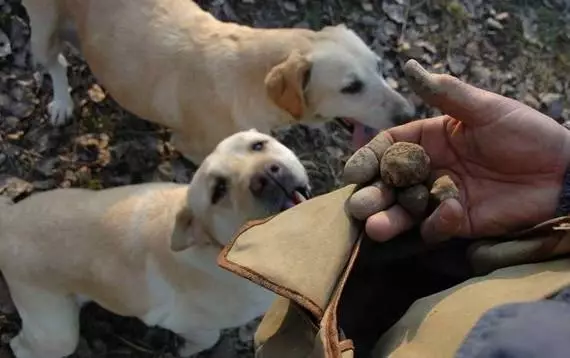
392,83
367,6
457,63
494,24
15,188
530,27
46,166
5,46
290,6
548,98
502,16
390,29
531,101
394,12
427,46
96,93
15,136
420,18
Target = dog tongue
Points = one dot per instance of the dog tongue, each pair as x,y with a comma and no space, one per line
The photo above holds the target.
362,134
297,198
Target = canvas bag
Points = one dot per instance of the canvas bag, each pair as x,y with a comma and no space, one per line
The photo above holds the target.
305,256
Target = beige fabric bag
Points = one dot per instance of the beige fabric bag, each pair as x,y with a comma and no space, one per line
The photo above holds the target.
306,254
283,255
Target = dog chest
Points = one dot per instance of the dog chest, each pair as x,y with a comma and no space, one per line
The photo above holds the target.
217,300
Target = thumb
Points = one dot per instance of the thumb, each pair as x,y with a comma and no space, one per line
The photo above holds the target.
444,223
468,104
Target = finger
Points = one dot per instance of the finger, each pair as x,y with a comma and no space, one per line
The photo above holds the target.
387,224
469,104
414,131
370,200
364,164
446,221
488,256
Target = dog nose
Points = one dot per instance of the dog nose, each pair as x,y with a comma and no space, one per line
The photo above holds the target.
265,178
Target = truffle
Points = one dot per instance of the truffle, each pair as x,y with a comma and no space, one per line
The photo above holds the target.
404,164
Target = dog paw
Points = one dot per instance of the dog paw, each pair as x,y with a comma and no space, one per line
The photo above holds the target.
60,111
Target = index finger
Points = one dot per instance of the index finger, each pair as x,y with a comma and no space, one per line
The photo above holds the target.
468,104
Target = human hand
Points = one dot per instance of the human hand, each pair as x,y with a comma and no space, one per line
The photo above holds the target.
507,159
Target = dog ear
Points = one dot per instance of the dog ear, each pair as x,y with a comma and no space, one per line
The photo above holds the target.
286,81
187,231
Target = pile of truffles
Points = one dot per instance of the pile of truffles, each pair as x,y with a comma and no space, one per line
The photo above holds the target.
406,168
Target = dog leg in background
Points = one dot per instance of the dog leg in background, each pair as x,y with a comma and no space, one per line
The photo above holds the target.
50,323
6,303
47,49
181,144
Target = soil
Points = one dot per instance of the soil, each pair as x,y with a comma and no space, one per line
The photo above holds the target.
519,48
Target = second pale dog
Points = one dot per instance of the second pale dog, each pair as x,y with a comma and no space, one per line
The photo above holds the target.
146,250
172,63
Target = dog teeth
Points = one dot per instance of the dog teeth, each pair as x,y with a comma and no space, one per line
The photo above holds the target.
298,197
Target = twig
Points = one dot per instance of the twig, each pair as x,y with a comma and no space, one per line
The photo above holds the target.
404,25
134,346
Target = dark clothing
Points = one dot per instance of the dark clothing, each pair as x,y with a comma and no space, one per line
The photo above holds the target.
522,330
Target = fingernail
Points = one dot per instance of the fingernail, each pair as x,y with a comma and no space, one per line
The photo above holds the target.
419,78
449,220
361,167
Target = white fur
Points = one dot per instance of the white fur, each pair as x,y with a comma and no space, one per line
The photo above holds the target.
174,64
62,248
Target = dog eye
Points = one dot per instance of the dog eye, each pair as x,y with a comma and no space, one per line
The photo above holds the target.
220,190
353,88
258,146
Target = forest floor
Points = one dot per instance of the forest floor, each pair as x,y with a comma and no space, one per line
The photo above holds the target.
518,48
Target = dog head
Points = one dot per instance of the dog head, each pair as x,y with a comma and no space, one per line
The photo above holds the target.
340,77
248,176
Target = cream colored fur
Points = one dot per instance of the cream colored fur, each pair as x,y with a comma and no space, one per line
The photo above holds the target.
146,250
170,62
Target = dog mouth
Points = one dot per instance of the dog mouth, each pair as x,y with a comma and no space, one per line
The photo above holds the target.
288,191
361,134
295,197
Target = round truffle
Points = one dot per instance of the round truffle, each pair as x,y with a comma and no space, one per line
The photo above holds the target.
404,164
414,200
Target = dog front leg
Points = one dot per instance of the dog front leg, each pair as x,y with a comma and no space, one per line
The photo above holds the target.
61,107
188,149
50,323
47,49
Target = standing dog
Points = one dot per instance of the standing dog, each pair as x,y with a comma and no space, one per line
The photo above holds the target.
146,250
172,63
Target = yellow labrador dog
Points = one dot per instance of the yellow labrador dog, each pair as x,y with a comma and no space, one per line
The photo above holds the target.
146,250
172,63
